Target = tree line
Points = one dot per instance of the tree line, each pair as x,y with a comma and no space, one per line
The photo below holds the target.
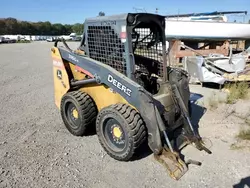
12,26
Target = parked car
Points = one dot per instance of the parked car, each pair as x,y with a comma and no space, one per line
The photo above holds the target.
77,39
1,39
8,40
50,39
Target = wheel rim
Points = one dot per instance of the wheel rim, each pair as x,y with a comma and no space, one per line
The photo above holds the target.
72,115
114,134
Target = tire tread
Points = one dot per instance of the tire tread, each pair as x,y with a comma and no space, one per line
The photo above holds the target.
87,109
136,126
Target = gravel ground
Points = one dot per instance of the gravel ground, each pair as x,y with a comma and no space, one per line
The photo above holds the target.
37,151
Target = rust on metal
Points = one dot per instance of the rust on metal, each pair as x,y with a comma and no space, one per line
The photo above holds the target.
175,166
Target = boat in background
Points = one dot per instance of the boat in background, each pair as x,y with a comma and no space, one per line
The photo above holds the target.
206,26
204,16
198,30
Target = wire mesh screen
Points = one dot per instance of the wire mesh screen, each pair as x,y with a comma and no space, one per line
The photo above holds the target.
145,45
105,46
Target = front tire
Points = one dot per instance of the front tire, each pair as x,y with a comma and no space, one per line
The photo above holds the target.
120,130
78,112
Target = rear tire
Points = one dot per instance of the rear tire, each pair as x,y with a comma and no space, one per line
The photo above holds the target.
78,111
120,130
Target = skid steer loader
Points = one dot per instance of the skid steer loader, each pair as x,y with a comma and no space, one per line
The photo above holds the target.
118,81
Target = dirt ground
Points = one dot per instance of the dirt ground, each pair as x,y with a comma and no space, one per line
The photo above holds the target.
37,151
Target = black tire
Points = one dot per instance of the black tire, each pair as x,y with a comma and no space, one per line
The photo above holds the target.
86,112
131,125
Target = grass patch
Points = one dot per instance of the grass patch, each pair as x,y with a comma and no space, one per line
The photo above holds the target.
247,121
235,147
23,41
213,103
237,91
244,134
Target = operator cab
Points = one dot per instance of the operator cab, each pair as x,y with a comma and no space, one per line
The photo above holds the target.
147,39
133,44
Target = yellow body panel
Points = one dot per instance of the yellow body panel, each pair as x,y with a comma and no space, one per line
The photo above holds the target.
77,75
61,86
102,95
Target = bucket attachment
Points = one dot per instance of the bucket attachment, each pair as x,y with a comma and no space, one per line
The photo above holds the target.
170,158
175,166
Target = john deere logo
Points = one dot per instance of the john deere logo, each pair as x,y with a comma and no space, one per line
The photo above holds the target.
119,85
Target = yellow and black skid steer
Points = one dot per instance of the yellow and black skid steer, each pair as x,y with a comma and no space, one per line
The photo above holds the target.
118,80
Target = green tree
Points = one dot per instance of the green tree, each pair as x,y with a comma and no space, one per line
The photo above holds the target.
11,26
27,28
57,29
47,28
36,28
78,28
68,29
2,27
